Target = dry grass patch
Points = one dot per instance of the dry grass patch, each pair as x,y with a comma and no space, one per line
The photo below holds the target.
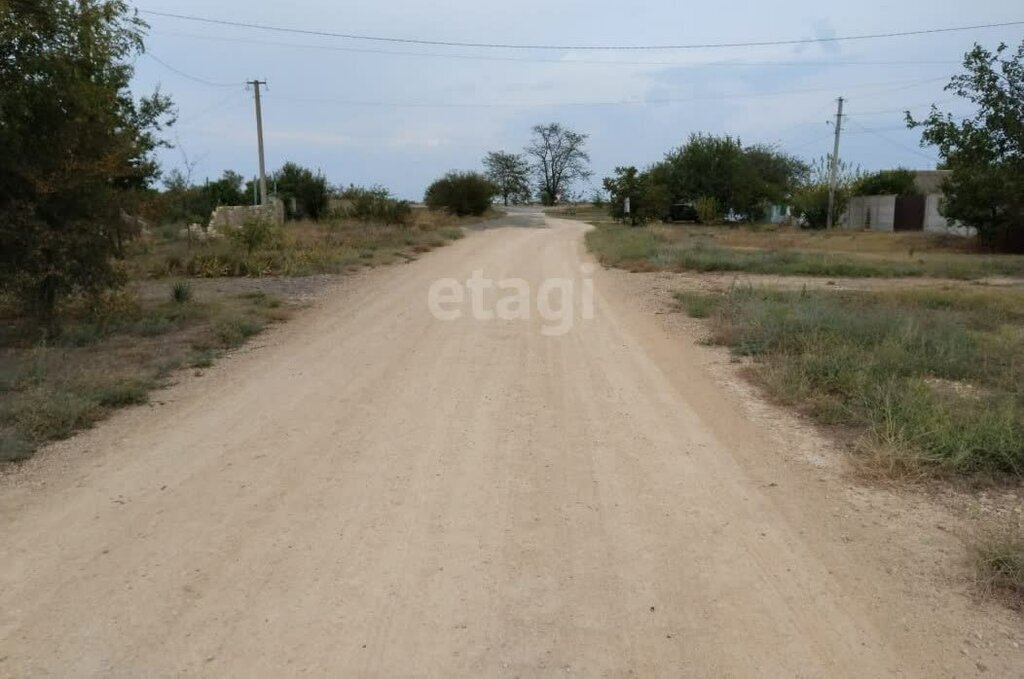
110,355
998,561
789,251
297,248
931,379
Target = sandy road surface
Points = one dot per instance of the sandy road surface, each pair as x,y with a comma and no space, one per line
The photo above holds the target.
377,493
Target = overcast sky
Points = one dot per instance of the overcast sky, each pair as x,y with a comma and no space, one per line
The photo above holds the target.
402,114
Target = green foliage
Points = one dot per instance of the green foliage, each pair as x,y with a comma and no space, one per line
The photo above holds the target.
510,174
559,156
14,447
181,292
255,234
77,148
985,152
375,204
234,332
461,194
707,209
811,203
899,182
647,200
746,180
305,193
810,199
183,202
696,305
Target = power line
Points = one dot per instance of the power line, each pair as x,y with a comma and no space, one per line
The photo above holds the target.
189,120
904,109
895,143
532,60
621,102
453,43
201,81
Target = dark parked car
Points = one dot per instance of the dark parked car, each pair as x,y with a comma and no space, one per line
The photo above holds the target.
682,212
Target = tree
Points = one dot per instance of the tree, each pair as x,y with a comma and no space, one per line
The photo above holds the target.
984,152
810,200
375,204
647,199
461,194
305,193
559,158
899,182
767,177
77,148
510,173
746,180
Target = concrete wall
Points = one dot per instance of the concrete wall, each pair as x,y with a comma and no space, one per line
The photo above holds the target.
874,212
233,216
936,223
878,212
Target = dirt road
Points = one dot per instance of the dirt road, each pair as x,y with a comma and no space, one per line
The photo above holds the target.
376,493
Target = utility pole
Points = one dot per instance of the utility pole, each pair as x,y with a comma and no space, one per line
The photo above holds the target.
833,169
259,135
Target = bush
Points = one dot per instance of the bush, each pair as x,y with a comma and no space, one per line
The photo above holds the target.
461,194
181,292
707,209
233,332
305,193
375,204
811,203
900,182
254,235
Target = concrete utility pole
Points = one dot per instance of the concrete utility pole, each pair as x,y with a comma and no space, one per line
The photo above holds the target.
259,135
833,169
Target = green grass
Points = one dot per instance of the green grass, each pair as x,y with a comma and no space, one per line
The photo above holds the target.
696,305
659,247
933,380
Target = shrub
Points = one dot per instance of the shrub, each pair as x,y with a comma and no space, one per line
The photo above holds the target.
900,182
305,193
375,204
811,203
233,333
181,292
707,209
461,193
254,235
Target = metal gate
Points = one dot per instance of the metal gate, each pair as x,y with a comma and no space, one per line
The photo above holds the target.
908,214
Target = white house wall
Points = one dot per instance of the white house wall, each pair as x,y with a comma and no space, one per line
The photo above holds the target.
879,212
874,212
936,223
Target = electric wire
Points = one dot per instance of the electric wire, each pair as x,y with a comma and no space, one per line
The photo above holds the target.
514,46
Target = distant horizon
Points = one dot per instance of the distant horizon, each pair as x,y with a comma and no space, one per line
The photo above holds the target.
401,116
